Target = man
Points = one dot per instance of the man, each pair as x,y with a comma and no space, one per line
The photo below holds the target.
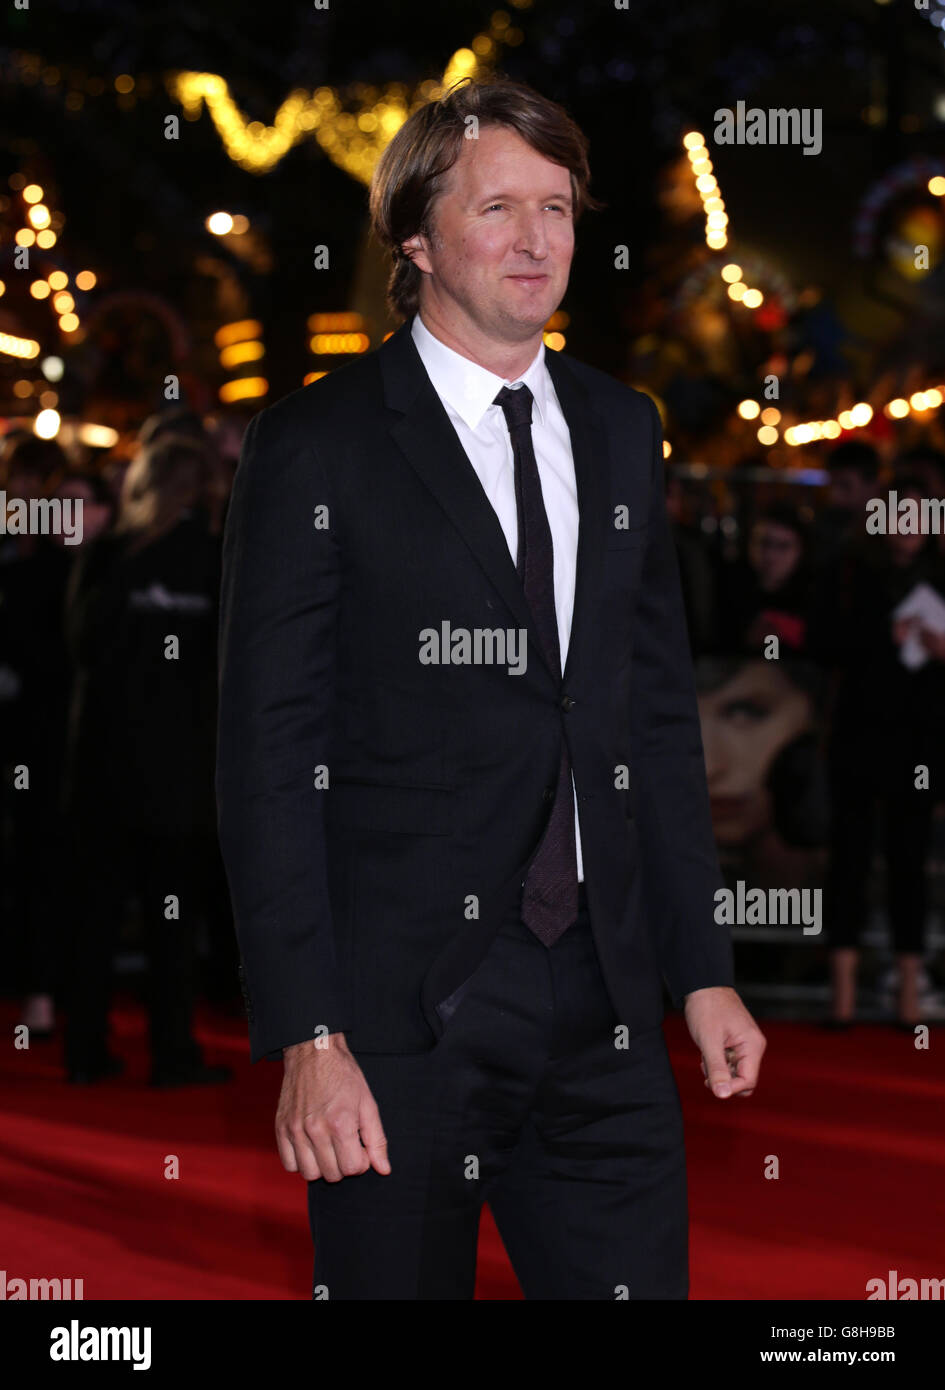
853,469
466,828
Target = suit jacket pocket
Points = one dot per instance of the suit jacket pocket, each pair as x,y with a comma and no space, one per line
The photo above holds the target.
392,807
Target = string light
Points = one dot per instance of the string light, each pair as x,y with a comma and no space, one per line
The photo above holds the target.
243,388
861,414
237,332
97,436
716,218
238,353
338,344
18,347
353,139
219,223
39,233
240,342
46,425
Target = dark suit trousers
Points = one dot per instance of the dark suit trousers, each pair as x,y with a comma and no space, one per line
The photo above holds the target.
525,1103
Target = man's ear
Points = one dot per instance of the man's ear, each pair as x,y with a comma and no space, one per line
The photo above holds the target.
415,248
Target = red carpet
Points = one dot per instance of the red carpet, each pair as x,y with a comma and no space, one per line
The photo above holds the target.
856,1122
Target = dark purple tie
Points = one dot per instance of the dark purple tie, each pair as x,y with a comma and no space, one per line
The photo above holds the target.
550,896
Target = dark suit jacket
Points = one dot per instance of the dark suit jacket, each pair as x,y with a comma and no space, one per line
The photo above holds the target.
141,728
361,906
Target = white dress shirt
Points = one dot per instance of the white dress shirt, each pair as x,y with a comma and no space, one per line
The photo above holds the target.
467,392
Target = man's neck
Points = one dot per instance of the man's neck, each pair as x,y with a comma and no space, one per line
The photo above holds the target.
507,360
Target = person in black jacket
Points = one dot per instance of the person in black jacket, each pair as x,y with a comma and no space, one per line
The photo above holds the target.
460,779
141,624
767,594
34,690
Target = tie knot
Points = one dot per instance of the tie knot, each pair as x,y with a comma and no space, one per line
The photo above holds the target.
516,405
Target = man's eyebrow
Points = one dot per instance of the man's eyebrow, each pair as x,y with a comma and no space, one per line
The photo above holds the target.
550,198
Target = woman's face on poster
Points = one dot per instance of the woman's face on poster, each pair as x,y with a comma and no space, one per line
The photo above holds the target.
745,724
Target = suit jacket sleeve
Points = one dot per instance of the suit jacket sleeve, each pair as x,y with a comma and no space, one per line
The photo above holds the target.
679,858
279,601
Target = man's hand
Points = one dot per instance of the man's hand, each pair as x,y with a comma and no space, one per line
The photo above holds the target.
729,1039
327,1123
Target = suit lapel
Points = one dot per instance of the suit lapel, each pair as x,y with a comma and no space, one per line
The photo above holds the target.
589,450
426,436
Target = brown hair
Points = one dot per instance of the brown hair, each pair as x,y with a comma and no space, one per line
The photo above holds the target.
163,479
411,171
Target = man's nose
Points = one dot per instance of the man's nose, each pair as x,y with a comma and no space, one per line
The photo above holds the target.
532,236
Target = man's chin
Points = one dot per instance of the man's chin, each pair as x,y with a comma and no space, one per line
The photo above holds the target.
531,318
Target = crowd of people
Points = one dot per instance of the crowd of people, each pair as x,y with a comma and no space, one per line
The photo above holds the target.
821,655
108,697
823,709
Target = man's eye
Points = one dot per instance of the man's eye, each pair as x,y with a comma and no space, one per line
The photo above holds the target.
556,206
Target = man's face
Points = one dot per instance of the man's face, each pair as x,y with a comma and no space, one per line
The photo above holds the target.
504,237
906,547
774,553
849,491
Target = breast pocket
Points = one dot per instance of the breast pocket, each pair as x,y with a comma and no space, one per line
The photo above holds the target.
623,562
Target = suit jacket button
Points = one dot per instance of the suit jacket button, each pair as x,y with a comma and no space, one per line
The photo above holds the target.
548,794
567,703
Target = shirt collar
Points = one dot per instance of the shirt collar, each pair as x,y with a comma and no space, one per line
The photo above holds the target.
466,386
